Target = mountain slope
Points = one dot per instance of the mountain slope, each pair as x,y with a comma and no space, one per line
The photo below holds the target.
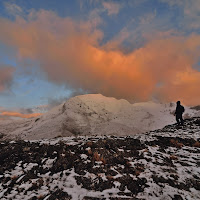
161,164
93,114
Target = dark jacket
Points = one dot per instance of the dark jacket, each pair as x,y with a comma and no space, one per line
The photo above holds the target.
179,110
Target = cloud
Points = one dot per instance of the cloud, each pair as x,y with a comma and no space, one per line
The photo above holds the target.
17,114
111,7
42,108
148,18
70,52
26,110
173,2
6,77
13,9
190,9
52,102
6,114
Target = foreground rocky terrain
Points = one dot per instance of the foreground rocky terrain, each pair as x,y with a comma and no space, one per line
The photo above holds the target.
161,164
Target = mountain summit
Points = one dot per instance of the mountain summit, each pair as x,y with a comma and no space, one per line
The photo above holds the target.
93,114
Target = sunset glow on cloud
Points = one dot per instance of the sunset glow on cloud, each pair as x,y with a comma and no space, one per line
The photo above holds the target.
139,62
16,114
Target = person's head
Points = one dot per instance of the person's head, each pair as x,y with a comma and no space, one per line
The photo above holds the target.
178,103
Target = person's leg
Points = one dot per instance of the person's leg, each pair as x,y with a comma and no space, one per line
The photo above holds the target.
177,119
181,118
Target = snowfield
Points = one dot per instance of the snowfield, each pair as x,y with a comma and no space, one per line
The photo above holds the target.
93,114
160,164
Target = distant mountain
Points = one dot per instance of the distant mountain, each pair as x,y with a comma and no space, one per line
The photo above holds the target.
94,114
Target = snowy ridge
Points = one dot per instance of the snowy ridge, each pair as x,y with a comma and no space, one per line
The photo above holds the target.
94,114
161,164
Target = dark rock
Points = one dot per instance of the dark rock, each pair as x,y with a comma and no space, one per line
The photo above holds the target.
177,197
59,194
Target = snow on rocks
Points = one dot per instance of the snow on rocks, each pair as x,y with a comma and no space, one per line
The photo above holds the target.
161,164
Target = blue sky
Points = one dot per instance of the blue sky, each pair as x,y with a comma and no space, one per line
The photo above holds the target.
123,28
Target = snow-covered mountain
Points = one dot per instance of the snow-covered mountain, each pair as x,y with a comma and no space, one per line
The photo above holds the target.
94,114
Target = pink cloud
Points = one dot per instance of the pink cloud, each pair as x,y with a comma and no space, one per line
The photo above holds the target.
69,52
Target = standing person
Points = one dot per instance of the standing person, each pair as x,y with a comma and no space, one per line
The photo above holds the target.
179,112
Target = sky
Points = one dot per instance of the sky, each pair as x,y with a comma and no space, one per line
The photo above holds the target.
139,50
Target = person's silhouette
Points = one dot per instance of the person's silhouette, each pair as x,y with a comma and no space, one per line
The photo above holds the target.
179,111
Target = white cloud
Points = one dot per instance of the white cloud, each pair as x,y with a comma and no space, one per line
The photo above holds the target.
111,7
13,9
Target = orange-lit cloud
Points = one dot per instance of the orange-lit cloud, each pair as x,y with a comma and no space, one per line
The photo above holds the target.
69,52
17,114
6,76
